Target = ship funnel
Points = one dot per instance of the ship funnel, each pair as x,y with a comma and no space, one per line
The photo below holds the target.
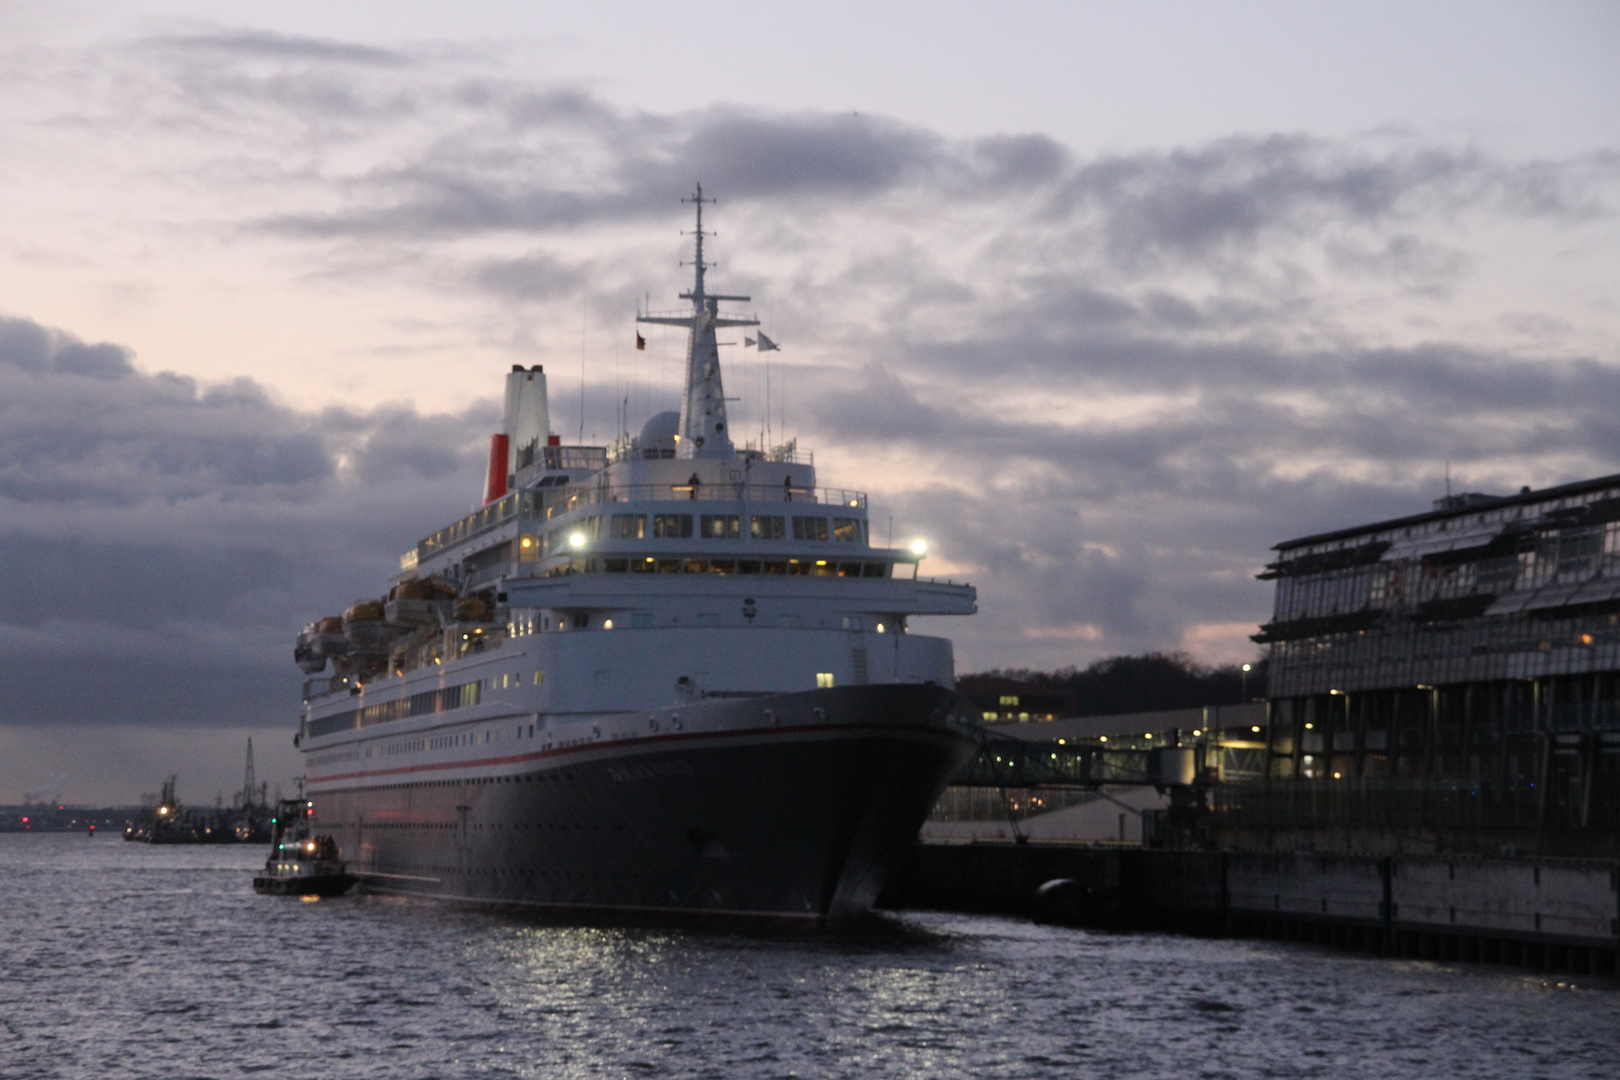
528,416
495,480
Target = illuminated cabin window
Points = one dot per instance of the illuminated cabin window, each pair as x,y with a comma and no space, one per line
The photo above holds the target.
768,528
824,680
629,527
720,527
848,530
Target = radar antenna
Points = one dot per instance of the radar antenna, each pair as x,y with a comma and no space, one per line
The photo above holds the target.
698,200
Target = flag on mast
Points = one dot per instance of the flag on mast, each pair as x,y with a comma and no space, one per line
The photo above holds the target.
764,344
641,342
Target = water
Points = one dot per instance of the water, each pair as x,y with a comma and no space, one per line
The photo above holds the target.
119,960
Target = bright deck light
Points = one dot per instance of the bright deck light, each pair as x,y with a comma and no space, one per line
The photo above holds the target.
919,547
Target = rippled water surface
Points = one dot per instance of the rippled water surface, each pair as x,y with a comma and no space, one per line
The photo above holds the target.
122,960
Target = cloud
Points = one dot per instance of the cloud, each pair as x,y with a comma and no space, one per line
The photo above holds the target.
27,346
267,45
163,541
1101,383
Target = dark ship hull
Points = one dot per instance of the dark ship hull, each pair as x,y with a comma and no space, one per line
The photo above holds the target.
785,808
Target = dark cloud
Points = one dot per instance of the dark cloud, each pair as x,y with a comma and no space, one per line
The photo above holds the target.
536,276
77,422
27,346
268,45
162,542
1020,160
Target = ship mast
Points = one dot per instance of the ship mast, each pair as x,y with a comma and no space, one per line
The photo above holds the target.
704,431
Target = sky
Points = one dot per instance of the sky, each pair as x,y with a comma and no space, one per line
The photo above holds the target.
1102,300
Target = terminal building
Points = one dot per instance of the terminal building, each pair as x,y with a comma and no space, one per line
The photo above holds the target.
1449,680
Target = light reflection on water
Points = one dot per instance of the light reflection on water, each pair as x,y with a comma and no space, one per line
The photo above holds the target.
122,960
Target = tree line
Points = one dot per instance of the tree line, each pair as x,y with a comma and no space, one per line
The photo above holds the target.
1121,684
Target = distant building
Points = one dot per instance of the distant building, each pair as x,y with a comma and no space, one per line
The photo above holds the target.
1453,670
996,698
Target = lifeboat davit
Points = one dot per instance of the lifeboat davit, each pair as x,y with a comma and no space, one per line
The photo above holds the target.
470,609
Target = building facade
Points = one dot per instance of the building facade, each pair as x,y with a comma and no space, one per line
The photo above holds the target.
1455,672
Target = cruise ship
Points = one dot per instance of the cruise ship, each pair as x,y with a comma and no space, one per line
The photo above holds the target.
669,678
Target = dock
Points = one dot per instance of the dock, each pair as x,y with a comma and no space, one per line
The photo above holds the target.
1545,914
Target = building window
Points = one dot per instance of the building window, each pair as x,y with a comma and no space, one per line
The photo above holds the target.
720,526
810,528
824,680
672,526
769,528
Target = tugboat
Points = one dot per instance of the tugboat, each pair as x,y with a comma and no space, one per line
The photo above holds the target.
301,864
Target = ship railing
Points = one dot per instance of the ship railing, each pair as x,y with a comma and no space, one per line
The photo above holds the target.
721,492
322,685
547,505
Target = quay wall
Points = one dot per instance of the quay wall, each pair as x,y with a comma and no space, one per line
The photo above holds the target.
1557,914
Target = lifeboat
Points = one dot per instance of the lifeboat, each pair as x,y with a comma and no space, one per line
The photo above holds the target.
366,627
419,603
319,641
308,662
327,637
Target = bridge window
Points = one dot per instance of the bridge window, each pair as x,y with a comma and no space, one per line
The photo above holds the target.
848,530
720,527
672,526
629,527
768,528
810,528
